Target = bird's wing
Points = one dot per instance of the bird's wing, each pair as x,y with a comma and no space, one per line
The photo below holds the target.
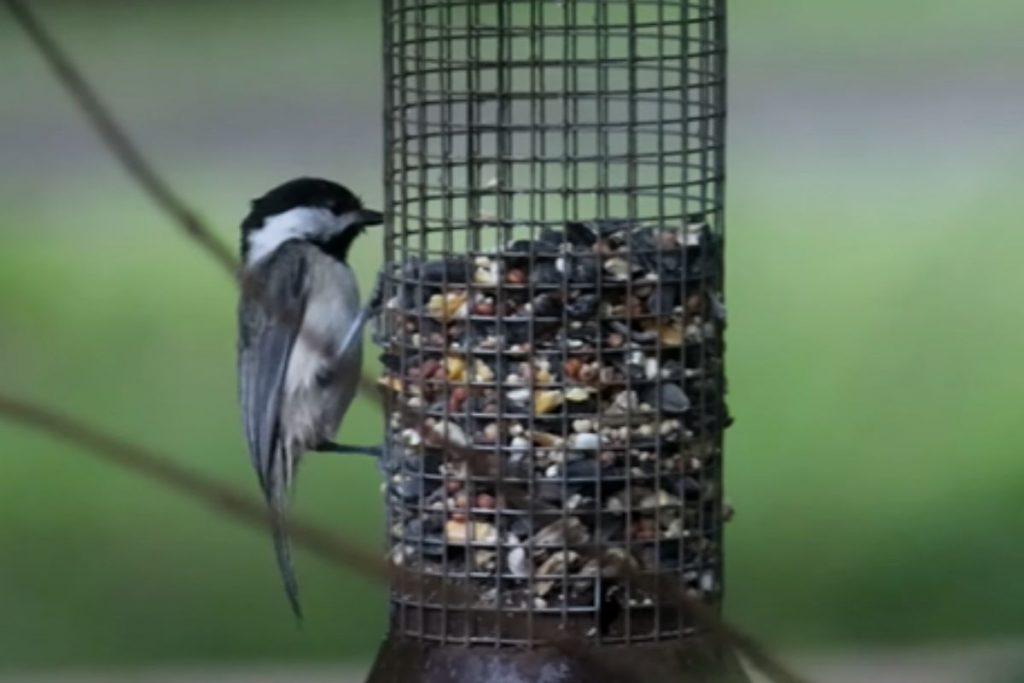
274,297
273,303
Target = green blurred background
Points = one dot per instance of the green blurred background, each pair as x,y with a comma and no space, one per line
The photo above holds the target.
875,220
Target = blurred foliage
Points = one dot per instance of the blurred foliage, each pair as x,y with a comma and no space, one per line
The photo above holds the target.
874,341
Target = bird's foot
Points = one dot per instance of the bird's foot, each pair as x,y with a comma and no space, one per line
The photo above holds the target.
342,449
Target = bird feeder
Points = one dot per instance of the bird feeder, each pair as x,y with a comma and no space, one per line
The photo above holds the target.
553,336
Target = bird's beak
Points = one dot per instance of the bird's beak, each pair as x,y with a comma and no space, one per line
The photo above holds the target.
361,218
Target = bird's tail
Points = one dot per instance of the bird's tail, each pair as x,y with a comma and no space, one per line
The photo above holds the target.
282,547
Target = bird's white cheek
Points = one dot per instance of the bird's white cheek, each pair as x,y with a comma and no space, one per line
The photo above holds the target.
300,223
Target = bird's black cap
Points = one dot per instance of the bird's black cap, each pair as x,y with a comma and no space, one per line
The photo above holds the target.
302,192
314,193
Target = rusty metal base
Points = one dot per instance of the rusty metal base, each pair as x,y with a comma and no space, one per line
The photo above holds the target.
692,661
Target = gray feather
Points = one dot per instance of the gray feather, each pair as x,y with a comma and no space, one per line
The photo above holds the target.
270,316
282,547
293,396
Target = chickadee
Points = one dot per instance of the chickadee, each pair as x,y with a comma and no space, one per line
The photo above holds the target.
299,343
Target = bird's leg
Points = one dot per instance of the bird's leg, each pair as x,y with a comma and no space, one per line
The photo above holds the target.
341,449
354,332
372,308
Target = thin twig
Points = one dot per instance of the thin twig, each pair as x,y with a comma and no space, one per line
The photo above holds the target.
720,630
116,140
162,470
120,144
223,499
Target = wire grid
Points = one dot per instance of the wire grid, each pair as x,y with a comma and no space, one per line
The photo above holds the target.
506,120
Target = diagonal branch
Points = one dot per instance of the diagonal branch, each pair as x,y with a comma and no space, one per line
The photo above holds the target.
205,490
116,140
241,508
141,171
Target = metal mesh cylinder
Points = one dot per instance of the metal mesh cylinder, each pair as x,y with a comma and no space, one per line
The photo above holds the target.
554,317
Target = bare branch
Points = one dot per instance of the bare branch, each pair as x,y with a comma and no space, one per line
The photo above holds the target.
241,508
120,144
211,493
116,140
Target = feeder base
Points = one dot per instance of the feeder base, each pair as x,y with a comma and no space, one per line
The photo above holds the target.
695,661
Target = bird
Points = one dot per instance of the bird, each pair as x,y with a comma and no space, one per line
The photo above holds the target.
299,341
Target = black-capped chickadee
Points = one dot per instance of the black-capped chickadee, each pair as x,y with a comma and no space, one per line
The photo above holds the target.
299,344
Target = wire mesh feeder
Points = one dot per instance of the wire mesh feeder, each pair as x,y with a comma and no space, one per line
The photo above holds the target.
553,331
